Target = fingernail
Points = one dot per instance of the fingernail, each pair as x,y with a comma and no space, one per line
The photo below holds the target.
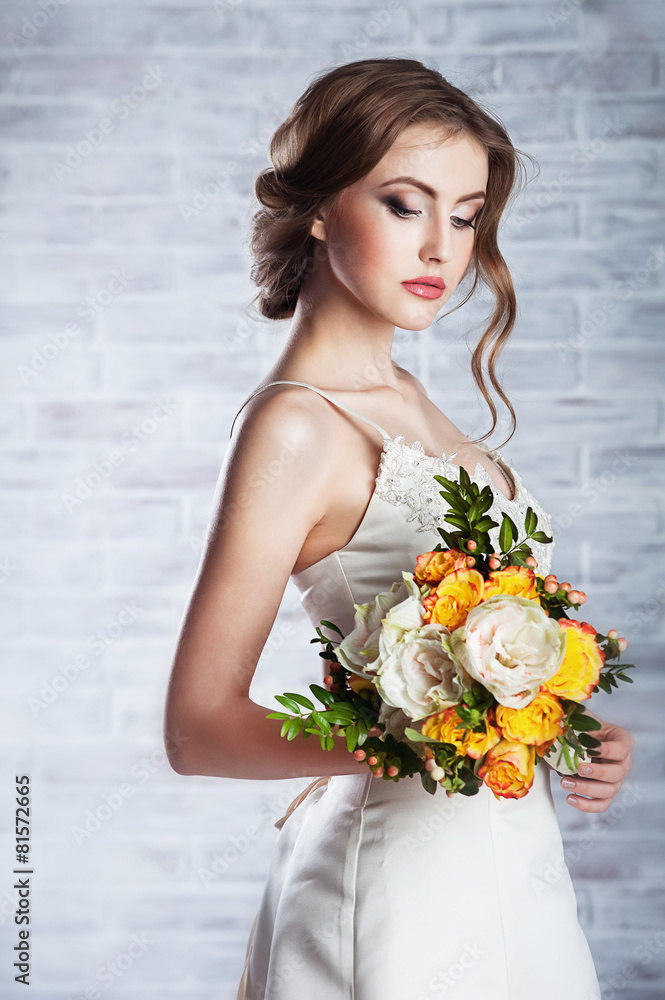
585,769
567,783
572,800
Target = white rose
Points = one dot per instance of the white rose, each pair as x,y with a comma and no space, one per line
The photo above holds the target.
395,720
419,676
379,625
511,646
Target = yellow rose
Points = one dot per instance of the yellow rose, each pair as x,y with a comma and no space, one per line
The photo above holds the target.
539,721
449,728
451,600
508,769
580,668
520,581
431,567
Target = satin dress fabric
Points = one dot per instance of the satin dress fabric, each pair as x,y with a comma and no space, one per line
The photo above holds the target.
376,889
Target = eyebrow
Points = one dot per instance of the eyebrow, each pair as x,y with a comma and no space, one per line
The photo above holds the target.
430,191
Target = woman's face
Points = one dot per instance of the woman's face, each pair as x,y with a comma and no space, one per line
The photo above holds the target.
411,218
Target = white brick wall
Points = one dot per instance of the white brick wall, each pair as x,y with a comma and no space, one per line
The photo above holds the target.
115,303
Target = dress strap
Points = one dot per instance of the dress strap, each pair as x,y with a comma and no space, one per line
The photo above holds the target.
342,406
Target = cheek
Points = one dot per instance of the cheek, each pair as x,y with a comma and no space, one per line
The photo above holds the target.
364,246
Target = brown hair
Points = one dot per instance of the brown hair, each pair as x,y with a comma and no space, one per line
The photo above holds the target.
334,135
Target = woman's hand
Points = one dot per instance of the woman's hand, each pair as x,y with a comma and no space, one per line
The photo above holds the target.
607,771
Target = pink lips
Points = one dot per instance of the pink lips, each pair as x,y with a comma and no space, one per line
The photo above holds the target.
428,287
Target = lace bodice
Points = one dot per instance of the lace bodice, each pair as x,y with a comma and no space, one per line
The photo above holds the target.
406,476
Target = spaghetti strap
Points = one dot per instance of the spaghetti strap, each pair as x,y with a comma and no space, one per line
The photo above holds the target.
342,406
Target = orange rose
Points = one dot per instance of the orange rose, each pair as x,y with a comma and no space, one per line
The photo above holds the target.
520,581
544,747
581,664
508,769
539,721
449,728
431,567
452,599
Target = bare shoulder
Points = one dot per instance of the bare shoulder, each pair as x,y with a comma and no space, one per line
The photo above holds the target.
282,414
414,382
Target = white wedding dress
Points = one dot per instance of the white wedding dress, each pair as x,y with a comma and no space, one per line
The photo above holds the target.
378,890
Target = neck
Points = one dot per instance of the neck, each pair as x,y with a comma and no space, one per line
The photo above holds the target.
333,337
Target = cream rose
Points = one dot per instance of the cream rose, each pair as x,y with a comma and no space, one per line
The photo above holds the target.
510,645
360,648
418,675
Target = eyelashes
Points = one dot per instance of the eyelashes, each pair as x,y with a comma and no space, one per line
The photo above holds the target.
402,212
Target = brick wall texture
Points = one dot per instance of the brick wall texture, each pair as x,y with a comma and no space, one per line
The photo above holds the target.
131,134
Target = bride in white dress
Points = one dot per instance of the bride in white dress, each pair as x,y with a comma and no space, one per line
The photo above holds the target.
386,194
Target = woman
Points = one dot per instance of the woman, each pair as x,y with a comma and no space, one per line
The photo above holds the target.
387,190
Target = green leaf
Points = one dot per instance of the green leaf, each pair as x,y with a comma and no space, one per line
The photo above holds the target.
285,727
584,722
530,521
455,502
289,703
332,626
588,741
321,721
330,742
301,700
485,524
294,728
464,479
448,483
278,715
506,534
459,521
323,694
540,536
351,737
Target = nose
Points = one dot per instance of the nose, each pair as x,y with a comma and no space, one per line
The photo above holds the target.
439,244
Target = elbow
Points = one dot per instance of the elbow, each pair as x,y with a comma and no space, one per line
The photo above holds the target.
179,742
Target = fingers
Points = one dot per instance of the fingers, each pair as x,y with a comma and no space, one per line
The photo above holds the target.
613,750
600,786
589,805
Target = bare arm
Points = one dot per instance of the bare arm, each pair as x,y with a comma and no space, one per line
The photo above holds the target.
272,490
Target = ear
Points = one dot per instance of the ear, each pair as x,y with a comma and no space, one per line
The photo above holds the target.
318,229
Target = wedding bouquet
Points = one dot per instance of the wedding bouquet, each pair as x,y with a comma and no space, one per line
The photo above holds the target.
469,670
